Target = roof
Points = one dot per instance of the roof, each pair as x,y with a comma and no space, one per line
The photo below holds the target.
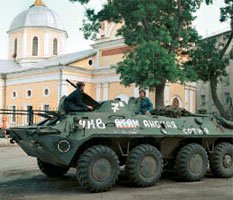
64,59
7,66
218,33
37,16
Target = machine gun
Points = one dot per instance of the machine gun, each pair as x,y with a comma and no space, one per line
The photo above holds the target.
86,98
71,83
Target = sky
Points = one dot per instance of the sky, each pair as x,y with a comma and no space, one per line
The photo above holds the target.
207,21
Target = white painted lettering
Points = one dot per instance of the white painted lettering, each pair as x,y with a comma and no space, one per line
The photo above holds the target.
173,124
82,123
157,124
91,124
100,124
135,123
152,124
146,124
168,124
206,131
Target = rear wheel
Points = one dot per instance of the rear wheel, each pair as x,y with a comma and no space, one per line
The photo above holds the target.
221,162
98,169
144,165
51,170
192,162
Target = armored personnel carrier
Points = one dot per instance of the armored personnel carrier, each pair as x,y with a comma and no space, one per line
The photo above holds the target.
115,136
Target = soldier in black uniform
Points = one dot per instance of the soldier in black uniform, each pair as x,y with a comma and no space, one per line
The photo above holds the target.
74,103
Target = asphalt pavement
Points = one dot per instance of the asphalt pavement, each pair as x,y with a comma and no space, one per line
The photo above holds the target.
20,179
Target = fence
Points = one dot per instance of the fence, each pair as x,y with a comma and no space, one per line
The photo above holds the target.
20,117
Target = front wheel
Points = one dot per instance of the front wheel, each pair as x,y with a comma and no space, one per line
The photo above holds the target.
98,169
221,162
51,170
192,162
144,165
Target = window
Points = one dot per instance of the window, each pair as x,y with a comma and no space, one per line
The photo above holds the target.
46,92
90,62
29,93
46,107
203,101
14,95
55,44
13,116
102,26
176,102
226,98
35,46
103,29
15,47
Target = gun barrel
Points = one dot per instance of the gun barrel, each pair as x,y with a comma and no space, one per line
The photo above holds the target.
71,83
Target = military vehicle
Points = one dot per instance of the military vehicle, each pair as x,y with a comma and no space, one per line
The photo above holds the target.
114,136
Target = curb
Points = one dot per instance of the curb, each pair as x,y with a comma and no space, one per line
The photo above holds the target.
16,172
5,142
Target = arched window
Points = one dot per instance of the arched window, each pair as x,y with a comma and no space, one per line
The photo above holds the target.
15,47
102,26
176,102
35,46
55,46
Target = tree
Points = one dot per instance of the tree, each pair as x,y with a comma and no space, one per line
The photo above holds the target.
209,58
157,30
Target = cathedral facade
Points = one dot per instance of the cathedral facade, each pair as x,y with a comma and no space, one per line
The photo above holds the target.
36,71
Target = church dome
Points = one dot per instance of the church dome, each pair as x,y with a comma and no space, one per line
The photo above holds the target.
38,15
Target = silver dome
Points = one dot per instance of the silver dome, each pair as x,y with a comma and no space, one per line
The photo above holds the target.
37,16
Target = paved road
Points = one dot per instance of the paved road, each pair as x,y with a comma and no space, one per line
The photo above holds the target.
25,182
13,159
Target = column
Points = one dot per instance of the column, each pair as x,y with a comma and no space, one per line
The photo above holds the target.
105,87
166,95
136,91
98,59
191,101
98,92
46,44
24,52
186,97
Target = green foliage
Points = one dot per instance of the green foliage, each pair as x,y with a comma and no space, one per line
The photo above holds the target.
156,29
227,12
80,1
209,2
207,61
148,66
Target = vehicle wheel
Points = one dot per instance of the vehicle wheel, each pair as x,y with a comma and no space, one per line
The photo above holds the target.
192,162
98,169
221,162
51,170
144,165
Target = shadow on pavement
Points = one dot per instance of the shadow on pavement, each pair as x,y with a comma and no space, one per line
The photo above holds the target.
16,187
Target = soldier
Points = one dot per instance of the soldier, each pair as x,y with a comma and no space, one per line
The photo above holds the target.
145,105
74,103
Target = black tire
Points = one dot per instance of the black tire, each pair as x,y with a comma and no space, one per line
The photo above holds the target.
221,162
98,169
144,165
51,170
192,162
